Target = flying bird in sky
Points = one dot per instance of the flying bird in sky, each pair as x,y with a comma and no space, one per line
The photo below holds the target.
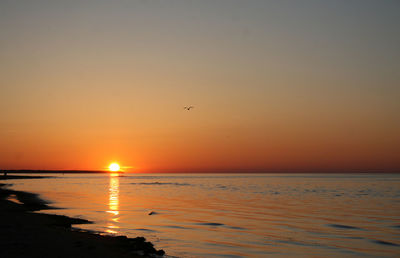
188,108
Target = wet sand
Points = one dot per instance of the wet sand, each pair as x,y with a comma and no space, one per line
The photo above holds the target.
25,233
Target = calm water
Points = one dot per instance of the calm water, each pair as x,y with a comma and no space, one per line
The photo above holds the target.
236,215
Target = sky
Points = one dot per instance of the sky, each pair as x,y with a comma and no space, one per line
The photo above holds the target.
275,85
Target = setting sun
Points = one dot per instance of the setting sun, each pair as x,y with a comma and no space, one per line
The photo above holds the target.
114,167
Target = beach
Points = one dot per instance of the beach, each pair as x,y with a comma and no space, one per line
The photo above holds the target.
25,233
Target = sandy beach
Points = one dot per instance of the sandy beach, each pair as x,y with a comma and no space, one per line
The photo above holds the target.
25,233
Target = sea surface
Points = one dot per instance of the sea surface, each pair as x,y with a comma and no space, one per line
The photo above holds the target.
236,215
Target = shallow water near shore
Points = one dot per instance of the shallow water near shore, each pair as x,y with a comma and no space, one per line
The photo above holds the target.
236,215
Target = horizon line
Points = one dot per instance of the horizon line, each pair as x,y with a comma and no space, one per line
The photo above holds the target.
225,171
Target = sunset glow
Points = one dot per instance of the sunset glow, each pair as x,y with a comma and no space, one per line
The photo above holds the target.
114,167
274,86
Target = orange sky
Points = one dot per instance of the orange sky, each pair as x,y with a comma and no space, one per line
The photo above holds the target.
275,86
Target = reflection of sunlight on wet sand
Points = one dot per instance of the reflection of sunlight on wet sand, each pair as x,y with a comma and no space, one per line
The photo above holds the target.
113,203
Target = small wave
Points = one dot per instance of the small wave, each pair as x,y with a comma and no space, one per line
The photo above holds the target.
160,183
343,226
353,237
214,224
381,242
146,229
298,243
238,228
177,227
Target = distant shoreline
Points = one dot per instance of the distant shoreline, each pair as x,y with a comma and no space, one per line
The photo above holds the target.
6,177
28,171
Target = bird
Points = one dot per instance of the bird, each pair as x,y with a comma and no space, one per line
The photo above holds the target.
188,108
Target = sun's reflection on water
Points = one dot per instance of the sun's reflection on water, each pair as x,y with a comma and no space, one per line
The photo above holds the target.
113,203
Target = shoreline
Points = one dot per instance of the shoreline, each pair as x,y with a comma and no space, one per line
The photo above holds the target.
26,233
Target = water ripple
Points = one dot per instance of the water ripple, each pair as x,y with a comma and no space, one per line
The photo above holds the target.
343,226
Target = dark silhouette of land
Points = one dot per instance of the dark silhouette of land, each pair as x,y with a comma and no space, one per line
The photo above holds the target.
30,171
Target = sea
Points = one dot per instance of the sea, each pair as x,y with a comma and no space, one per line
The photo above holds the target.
235,215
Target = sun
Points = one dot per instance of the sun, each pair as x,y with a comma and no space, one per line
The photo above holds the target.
114,167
